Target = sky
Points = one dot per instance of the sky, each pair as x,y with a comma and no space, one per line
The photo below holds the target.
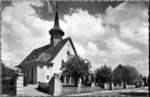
109,33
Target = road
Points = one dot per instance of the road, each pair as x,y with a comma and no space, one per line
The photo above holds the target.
135,92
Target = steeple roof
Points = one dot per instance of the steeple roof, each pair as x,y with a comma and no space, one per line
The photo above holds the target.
56,28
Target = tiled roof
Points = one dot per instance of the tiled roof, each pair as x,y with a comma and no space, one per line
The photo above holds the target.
47,50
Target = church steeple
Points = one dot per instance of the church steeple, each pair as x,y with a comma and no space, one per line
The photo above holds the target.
56,23
56,32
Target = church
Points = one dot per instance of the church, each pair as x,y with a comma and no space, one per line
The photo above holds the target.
43,62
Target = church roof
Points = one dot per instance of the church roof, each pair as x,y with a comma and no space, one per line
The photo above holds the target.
47,53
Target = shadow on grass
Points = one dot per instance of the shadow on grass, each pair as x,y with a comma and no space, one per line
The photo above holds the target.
136,94
44,90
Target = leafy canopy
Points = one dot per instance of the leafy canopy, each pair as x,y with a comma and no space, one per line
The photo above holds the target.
77,67
125,73
103,74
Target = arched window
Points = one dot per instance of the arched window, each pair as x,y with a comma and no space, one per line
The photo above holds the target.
68,53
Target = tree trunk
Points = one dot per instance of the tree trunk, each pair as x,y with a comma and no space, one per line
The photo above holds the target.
76,81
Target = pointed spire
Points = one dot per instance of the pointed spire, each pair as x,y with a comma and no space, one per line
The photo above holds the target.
56,23
56,29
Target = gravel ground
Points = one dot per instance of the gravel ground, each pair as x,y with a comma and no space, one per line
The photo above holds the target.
31,90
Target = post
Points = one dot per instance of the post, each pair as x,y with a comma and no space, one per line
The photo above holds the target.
64,79
124,85
0,49
55,86
19,84
111,86
70,80
118,87
93,86
79,86
105,86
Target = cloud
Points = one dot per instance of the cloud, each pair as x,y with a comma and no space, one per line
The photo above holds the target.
135,32
22,31
132,19
80,50
110,38
81,24
92,50
119,47
142,66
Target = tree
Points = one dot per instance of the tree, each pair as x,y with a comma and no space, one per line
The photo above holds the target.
118,74
125,74
103,74
7,72
77,67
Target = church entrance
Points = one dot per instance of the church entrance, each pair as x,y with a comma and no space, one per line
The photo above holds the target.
32,76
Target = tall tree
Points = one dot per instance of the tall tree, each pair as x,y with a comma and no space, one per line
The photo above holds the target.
77,67
125,74
103,74
7,72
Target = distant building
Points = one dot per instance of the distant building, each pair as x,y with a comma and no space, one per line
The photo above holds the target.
141,81
43,62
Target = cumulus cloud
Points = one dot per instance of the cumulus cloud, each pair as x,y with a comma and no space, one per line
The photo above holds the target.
80,50
119,47
132,19
81,24
93,50
22,31
99,38
142,66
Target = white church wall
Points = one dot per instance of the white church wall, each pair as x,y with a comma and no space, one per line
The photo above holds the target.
44,74
48,73
40,73
62,55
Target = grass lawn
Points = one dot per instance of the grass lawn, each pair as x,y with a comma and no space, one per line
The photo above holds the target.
136,94
74,89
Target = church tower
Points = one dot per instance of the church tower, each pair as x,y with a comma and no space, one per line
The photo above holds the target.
56,32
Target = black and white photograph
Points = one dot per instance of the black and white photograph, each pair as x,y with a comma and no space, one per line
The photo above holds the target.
76,48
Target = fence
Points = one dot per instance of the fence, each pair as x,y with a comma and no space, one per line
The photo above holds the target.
13,86
8,86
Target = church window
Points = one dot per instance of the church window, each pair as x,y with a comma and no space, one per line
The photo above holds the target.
41,67
68,53
47,77
62,63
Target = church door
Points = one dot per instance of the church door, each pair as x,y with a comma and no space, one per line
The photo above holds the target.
32,76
